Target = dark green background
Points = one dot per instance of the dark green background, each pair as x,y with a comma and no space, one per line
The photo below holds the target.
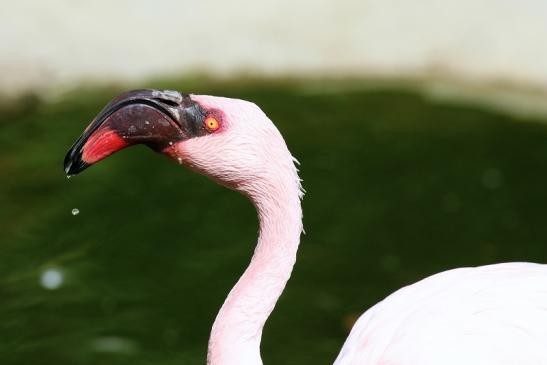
398,188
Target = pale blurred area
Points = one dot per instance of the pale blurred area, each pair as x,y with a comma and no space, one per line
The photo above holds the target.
489,50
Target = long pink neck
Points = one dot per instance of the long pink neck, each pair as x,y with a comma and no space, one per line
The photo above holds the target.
237,331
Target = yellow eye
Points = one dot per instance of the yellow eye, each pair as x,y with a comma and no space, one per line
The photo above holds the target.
211,124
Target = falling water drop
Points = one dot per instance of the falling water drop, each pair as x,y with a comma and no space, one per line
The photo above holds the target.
146,122
170,143
179,160
75,211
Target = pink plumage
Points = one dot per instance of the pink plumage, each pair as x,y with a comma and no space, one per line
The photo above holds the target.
490,315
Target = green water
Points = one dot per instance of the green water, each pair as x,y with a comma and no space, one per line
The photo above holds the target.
397,187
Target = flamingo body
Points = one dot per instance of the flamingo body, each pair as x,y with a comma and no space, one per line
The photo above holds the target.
494,314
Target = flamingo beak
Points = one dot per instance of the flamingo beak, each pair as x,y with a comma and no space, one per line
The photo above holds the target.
155,118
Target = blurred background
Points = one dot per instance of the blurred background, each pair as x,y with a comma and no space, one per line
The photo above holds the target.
420,127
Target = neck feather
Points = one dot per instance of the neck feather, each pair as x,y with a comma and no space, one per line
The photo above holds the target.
237,331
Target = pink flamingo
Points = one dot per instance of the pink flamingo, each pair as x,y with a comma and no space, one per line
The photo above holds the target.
485,315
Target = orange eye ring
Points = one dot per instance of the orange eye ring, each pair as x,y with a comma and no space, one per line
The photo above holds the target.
211,124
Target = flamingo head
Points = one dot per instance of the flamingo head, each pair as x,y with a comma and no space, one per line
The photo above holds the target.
229,140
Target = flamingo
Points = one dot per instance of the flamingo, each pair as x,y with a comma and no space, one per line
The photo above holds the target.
486,315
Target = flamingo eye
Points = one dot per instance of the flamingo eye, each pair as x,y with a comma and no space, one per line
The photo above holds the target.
211,124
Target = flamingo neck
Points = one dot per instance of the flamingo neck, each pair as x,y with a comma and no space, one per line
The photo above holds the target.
237,331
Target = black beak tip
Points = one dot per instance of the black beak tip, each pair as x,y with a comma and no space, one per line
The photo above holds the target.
73,163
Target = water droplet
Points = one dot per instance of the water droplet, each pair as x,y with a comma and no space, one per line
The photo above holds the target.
146,122
179,160
51,279
75,211
170,143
